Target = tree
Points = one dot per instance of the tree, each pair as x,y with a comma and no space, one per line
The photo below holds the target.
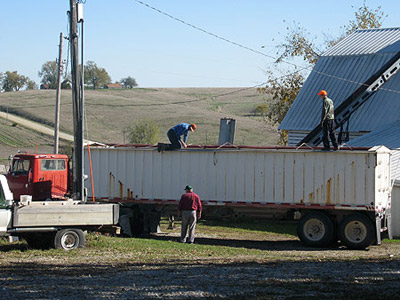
95,76
12,81
283,91
144,132
31,85
49,74
297,43
128,82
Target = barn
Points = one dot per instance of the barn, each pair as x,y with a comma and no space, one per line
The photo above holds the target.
341,70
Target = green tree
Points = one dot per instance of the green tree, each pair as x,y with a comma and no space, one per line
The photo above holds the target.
128,82
95,76
144,132
49,74
12,81
298,44
31,85
283,91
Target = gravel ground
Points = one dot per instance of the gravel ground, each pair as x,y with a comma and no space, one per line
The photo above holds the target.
306,274
324,280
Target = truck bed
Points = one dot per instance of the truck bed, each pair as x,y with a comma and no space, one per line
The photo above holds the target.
65,213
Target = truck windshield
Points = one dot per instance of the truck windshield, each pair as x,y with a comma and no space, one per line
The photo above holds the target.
21,166
52,164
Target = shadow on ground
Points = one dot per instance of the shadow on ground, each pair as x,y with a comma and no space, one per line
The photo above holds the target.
281,245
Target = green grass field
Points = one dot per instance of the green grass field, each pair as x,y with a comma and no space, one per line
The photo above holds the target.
110,112
216,242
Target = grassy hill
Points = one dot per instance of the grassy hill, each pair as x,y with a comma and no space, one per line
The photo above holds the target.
110,112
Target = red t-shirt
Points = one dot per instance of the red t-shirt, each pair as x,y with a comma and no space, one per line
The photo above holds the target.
190,201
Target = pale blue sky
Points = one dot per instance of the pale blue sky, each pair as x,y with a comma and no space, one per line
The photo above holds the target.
129,39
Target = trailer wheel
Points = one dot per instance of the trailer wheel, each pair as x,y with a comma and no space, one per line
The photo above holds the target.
357,231
316,229
69,239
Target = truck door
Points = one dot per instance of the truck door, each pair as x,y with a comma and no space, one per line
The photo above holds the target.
5,212
52,179
20,177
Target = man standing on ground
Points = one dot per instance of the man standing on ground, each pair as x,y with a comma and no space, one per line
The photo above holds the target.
328,121
175,137
190,208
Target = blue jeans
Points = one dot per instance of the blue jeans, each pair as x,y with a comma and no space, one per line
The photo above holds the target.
174,139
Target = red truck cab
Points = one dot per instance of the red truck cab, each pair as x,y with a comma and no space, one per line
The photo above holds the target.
43,176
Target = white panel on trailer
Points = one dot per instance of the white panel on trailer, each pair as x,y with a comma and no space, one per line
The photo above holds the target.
246,175
395,164
396,210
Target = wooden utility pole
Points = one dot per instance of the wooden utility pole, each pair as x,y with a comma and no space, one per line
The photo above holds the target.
58,96
76,104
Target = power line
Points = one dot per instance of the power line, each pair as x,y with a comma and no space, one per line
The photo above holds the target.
250,49
354,82
210,33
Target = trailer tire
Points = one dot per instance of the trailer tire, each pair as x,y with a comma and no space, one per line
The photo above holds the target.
316,229
356,231
69,239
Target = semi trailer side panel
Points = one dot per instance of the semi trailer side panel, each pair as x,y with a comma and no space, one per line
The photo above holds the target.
295,178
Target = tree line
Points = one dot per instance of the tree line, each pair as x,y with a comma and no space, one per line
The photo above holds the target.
94,77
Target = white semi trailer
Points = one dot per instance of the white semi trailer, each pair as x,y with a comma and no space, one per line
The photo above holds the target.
342,195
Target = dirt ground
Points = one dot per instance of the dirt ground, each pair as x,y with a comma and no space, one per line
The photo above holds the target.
288,270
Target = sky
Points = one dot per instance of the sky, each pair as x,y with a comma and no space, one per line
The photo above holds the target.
174,43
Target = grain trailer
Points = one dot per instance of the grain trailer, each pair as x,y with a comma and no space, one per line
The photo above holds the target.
342,195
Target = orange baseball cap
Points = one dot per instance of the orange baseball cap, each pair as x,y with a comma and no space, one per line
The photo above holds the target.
322,93
193,126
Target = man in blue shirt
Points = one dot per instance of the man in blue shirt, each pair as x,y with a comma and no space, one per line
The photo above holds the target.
178,136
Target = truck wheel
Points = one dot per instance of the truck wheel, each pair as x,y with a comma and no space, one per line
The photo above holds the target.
38,240
357,231
69,239
316,229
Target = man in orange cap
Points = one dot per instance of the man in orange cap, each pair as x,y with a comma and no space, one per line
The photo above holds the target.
178,136
328,121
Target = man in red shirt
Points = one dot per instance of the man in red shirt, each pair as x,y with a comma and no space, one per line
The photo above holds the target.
190,208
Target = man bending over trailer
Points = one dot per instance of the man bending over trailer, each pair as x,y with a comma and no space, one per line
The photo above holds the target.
175,137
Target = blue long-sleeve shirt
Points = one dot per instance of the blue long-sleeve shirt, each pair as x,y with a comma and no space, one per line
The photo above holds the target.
182,129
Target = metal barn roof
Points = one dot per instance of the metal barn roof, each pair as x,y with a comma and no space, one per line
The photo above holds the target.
367,42
387,135
340,71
